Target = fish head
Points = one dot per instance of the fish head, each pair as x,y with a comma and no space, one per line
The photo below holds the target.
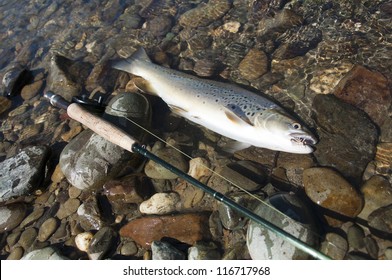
286,133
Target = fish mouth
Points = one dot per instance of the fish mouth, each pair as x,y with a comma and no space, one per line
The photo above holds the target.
303,139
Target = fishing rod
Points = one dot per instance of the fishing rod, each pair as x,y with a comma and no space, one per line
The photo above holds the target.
117,136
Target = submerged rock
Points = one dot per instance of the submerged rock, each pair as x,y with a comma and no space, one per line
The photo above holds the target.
254,65
377,193
48,253
334,246
22,173
14,79
297,220
330,190
187,228
204,251
165,251
89,160
101,243
381,220
366,90
205,14
347,138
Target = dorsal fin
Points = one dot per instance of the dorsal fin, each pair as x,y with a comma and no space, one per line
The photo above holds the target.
140,54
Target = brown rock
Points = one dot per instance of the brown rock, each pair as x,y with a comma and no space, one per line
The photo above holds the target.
254,65
31,90
187,228
377,192
330,190
367,90
5,104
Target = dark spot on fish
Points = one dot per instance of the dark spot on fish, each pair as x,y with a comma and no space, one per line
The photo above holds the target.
216,100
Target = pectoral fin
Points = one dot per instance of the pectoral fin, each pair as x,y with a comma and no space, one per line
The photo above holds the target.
237,117
144,86
177,110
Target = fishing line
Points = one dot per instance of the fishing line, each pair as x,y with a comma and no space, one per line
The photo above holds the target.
224,178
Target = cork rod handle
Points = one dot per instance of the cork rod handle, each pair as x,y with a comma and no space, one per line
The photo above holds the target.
101,127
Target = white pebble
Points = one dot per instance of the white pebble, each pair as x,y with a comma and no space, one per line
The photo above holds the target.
160,203
82,240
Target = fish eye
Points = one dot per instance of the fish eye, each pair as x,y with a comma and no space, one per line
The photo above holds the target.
296,126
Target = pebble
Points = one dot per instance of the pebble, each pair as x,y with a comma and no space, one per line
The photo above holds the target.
27,238
62,233
254,65
334,246
90,217
5,104
68,208
199,168
12,238
15,77
48,253
371,247
187,228
204,251
130,189
11,216
282,21
101,243
377,193
31,90
263,244
160,204
341,145
388,253
232,26
83,240
22,173
381,219
367,90
47,229
129,248
203,15
16,253
355,237
74,192
157,171
329,189
57,175
190,196
165,251
34,216
230,218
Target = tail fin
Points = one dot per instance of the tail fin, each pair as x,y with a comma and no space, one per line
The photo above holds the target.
130,64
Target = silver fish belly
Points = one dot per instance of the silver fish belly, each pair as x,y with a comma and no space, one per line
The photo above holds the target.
224,108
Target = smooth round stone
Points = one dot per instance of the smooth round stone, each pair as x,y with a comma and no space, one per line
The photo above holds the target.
371,246
388,253
157,171
203,251
11,216
68,208
101,243
90,217
83,240
47,229
74,192
160,204
297,220
48,253
334,246
34,216
165,251
129,249
12,238
27,238
355,236
330,190
16,254
381,219
377,193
